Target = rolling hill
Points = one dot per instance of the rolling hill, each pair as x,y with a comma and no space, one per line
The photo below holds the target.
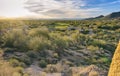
109,16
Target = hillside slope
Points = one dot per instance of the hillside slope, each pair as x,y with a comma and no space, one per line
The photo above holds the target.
109,16
113,15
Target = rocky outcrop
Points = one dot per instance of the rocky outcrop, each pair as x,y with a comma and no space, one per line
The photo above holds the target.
115,65
91,70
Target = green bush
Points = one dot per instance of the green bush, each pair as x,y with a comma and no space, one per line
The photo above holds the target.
59,42
93,48
41,31
7,70
14,62
42,63
38,43
55,55
15,38
104,60
1,52
32,54
25,59
99,43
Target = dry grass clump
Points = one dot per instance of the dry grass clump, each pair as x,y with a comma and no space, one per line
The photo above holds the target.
7,70
15,38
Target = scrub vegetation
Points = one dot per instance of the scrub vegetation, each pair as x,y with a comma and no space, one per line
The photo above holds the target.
51,43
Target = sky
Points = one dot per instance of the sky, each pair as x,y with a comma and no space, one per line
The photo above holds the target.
57,8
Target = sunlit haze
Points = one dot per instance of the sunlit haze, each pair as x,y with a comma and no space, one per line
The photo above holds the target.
57,8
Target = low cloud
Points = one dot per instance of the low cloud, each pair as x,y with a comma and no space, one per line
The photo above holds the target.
61,8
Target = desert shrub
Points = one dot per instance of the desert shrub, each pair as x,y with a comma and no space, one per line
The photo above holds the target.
7,70
38,43
92,48
26,74
1,52
59,42
43,74
109,46
14,62
69,63
76,38
55,55
25,59
19,69
42,63
16,74
102,44
32,54
109,27
104,60
33,26
51,68
42,31
99,43
56,68
79,39
39,39
15,38
9,39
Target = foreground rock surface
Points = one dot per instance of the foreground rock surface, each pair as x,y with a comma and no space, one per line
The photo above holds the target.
115,65
91,70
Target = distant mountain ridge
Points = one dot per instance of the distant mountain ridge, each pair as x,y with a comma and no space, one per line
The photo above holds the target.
113,15
109,16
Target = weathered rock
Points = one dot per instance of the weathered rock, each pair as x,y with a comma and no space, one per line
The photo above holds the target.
115,65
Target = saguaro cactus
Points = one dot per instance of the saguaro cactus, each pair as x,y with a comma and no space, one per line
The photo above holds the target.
115,65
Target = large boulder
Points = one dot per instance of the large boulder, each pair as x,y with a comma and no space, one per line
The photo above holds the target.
115,65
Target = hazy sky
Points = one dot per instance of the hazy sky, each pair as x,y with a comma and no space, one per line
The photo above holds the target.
57,8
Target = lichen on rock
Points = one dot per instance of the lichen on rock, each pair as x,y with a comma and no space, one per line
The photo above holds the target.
115,65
